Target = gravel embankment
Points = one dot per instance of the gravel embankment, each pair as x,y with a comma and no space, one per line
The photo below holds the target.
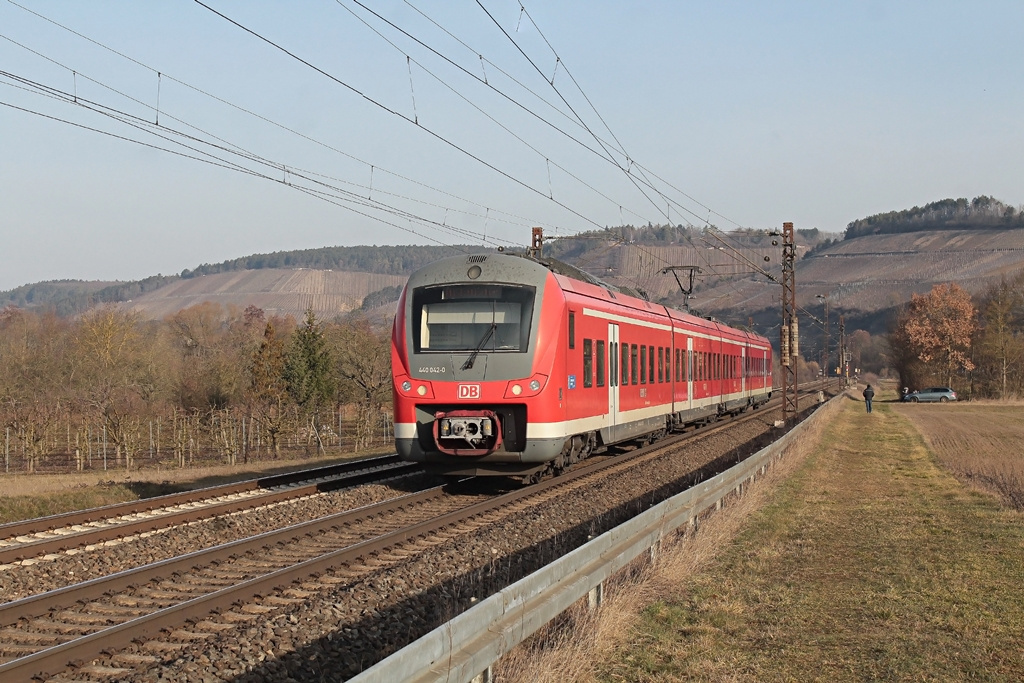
345,624
41,575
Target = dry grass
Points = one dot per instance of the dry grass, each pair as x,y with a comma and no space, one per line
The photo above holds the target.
982,443
573,648
868,563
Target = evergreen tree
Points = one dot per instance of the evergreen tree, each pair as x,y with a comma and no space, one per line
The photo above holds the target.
308,365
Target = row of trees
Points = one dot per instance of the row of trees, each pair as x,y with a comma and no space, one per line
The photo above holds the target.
979,213
235,376
947,338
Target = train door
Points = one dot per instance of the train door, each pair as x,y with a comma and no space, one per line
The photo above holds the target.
613,374
689,372
743,370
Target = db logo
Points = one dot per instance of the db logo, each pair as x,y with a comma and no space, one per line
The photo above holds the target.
469,391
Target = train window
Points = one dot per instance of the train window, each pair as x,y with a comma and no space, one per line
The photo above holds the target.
643,364
625,366
600,362
651,359
588,363
572,330
661,363
632,360
488,318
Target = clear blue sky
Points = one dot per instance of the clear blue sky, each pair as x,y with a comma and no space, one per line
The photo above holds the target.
760,112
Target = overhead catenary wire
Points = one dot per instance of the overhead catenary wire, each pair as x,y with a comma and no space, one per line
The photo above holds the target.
165,133
224,145
487,209
287,170
491,209
564,100
621,148
519,138
399,115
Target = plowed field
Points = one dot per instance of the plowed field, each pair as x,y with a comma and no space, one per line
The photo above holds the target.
982,443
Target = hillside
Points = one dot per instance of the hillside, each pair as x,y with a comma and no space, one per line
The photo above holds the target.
71,297
864,277
869,274
277,291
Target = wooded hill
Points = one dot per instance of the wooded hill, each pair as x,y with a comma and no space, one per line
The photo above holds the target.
980,213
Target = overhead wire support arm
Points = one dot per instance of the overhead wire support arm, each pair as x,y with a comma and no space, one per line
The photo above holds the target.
687,291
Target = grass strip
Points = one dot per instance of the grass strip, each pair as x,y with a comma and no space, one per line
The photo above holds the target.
870,563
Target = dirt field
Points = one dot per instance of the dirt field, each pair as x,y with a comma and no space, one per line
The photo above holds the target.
981,443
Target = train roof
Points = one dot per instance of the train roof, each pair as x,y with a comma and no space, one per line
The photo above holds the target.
570,278
642,302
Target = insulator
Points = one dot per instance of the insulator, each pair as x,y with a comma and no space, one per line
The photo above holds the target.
784,350
794,343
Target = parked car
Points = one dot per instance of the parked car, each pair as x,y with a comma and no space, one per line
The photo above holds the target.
934,394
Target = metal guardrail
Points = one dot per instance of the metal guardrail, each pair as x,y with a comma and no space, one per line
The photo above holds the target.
459,650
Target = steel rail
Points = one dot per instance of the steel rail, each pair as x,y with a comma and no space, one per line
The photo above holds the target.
42,524
42,603
113,531
56,658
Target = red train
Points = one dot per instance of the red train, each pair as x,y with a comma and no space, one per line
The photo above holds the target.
514,365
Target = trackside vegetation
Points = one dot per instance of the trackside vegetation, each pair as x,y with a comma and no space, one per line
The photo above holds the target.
872,562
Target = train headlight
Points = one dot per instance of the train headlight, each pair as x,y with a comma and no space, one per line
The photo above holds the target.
534,385
516,389
421,390
406,385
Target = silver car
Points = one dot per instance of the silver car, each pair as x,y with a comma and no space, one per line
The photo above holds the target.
932,395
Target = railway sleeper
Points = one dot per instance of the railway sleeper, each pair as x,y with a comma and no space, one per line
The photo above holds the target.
13,637
51,626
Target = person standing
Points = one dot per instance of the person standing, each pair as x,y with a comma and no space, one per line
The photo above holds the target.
869,394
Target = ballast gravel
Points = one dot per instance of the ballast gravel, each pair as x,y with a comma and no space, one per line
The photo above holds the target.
342,626
63,569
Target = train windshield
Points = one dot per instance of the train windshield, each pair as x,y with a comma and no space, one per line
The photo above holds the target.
473,318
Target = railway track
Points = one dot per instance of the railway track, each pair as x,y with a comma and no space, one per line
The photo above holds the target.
20,541
173,603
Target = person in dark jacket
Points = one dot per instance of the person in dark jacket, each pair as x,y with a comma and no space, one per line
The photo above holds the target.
869,394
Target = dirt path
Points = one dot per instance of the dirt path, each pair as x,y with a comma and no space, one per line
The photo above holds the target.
871,563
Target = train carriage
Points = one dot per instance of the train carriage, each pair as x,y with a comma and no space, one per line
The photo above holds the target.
511,364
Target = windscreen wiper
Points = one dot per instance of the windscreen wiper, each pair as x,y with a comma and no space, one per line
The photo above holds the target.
472,357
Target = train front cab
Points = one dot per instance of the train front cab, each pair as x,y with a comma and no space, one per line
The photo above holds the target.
474,355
